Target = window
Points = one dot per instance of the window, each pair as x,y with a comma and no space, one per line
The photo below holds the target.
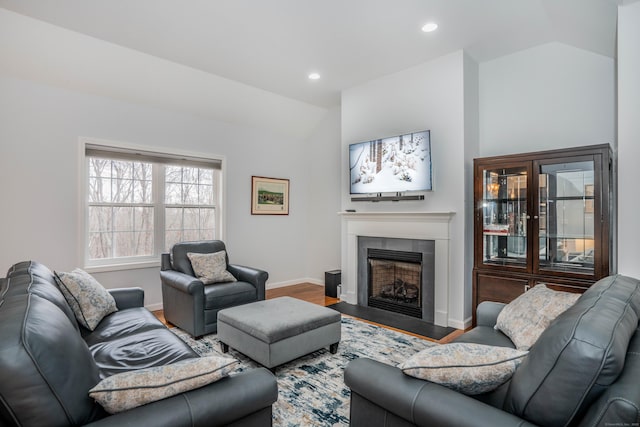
189,208
139,203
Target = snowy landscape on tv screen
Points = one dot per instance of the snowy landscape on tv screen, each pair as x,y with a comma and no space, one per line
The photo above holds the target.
397,164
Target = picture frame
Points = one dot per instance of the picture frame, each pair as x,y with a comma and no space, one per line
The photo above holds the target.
269,196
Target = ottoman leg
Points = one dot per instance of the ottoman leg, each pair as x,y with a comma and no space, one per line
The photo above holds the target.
333,348
224,347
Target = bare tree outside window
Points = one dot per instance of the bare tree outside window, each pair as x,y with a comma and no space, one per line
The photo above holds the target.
139,205
189,208
120,209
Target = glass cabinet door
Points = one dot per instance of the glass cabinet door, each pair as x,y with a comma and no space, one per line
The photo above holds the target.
566,216
504,210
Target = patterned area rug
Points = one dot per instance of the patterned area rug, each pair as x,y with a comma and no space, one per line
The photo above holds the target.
311,389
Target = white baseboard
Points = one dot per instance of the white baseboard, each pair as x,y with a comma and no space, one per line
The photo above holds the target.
460,324
154,307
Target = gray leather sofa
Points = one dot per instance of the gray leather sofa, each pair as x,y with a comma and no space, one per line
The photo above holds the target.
48,363
582,371
192,305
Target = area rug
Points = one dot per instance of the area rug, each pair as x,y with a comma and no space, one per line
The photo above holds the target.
311,389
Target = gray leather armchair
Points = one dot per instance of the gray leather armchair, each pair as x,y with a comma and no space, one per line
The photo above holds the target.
193,306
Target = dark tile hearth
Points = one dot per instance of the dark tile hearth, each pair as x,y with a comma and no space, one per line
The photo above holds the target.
395,320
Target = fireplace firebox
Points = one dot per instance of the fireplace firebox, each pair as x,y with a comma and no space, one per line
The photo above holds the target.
397,275
395,281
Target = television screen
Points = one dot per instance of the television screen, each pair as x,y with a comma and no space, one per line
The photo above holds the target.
396,164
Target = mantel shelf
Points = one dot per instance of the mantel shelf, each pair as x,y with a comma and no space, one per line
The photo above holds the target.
397,214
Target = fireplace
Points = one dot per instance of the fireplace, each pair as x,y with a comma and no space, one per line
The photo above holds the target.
395,281
432,227
397,275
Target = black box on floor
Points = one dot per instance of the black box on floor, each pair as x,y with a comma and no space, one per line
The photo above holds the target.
331,281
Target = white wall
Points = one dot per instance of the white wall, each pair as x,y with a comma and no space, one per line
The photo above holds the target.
428,96
628,138
39,168
471,151
324,169
546,97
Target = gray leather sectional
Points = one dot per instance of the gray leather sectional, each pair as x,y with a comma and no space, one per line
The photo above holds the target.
584,370
48,363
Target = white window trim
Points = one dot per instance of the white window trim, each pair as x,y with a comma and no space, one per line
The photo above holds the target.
139,262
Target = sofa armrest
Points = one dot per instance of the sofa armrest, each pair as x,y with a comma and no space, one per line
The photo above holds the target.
182,282
420,402
128,297
221,403
255,276
487,313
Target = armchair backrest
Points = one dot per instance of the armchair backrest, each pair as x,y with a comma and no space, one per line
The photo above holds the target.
180,261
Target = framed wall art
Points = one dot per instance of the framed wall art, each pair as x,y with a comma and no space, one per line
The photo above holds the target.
269,196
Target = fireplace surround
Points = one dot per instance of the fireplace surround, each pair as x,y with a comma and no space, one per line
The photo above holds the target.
428,226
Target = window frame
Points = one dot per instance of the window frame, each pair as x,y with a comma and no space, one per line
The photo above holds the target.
173,156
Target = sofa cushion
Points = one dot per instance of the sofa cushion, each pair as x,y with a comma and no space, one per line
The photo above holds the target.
211,268
525,318
578,356
131,389
88,299
144,345
225,295
123,323
464,367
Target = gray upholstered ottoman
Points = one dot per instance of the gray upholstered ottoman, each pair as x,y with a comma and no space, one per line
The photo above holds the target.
276,331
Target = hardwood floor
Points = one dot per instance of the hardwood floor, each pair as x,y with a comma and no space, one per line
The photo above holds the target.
315,294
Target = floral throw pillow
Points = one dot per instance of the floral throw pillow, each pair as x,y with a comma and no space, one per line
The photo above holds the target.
210,268
135,388
88,299
525,318
464,367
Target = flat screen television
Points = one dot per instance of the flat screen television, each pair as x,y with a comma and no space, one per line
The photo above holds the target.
395,164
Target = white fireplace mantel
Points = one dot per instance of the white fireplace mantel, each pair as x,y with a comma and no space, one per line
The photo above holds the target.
404,225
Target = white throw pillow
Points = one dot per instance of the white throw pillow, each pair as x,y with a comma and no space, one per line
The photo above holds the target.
525,318
210,268
464,367
88,299
135,388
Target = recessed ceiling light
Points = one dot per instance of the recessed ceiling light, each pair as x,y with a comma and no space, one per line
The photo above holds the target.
314,76
429,27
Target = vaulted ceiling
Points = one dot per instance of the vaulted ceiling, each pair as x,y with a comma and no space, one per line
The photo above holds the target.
273,45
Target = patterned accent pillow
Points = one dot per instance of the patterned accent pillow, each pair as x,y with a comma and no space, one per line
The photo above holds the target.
464,367
210,268
135,388
88,299
525,318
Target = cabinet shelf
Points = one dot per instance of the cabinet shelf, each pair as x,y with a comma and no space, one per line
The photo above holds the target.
505,200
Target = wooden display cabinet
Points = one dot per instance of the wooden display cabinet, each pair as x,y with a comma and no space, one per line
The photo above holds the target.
542,217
